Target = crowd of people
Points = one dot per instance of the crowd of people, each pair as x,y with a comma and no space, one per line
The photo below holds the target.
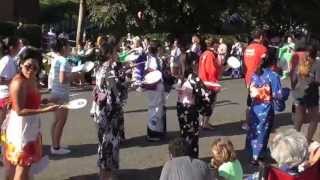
193,70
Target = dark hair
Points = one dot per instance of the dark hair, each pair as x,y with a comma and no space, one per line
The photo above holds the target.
153,47
107,48
2,47
9,42
179,147
32,53
256,34
61,42
189,63
211,41
112,40
271,57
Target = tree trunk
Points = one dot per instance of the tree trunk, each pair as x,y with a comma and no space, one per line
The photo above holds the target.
80,21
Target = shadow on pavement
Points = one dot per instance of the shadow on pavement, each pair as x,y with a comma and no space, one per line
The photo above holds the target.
72,89
282,119
227,129
142,142
218,103
234,128
126,174
77,151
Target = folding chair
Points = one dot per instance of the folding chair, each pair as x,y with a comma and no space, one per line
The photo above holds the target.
311,173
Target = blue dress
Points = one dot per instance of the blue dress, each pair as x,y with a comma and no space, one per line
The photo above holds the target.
265,92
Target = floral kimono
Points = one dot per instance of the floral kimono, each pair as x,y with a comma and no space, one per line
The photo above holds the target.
191,98
109,95
266,93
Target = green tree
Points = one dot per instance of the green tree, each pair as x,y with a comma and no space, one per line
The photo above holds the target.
202,15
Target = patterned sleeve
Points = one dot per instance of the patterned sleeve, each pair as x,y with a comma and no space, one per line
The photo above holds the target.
122,84
200,91
277,94
276,86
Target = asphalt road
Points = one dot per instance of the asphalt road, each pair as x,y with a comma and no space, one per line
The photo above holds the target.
140,159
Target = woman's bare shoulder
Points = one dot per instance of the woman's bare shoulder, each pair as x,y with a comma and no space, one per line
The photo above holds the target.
17,82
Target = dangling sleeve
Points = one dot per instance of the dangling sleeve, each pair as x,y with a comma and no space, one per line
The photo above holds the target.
276,86
122,84
277,95
200,91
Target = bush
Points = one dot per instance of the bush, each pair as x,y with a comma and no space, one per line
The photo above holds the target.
31,32
7,28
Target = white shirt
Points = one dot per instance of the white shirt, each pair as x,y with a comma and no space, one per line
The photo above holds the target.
17,57
152,63
60,64
8,69
185,92
222,49
174,59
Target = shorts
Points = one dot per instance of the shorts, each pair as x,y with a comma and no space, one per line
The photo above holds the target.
308,102
310,99
59,98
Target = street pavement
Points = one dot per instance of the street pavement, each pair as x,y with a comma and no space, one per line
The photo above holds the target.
139,159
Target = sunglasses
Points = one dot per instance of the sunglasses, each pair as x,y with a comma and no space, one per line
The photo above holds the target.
31,67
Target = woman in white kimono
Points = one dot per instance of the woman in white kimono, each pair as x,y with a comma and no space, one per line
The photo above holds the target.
156,128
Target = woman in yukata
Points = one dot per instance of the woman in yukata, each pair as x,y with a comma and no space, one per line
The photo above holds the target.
267,96
191,95
109,96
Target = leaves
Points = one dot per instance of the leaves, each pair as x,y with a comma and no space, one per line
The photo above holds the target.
179,16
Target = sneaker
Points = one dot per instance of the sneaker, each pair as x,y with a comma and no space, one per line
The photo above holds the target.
60,151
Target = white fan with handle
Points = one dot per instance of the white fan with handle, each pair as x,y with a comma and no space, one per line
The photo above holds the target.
76,104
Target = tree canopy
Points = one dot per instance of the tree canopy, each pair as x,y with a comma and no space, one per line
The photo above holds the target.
203,15
187,16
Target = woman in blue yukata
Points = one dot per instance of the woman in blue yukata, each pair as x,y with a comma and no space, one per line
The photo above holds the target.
266,97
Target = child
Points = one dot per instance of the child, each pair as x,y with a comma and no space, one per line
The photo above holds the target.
191,94
225,161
